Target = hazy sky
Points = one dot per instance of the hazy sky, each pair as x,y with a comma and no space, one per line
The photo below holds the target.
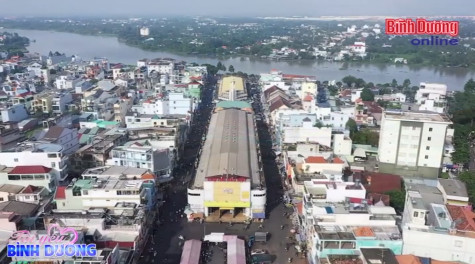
236,8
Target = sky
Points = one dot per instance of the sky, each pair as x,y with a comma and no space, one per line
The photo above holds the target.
240,8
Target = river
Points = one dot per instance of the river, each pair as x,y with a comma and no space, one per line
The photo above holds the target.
109,47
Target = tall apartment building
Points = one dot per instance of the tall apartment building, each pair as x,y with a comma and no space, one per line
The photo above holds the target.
411,144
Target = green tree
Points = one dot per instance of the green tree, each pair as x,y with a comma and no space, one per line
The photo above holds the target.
349,80
469,87
318,124
360,82
231,68
397,199
339,84
367,95
406,83
351,126
211,69
369,85
468,177
220,66
394,83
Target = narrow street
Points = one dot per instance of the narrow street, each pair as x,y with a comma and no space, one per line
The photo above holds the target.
165,248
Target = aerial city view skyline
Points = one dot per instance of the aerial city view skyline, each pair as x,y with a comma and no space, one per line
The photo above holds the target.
252,132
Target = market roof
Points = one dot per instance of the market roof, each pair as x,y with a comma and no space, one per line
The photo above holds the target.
230,147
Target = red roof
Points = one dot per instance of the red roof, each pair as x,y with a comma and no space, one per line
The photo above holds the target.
30,189
291,76
308,98
338,160
346,92
194,82
30,170
373,107
376,182
60,192
465,217
315,159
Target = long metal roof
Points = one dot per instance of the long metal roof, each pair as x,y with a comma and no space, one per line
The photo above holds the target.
230,147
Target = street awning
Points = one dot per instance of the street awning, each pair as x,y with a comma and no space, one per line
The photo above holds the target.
359,152
191,252
236,251
214,237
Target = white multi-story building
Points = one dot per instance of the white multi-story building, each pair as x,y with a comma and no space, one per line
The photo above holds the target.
432,229
172,104
342,144
432,97
343,228
161,67
359,48
100,193
60,102
337,120
134,120
66,82
142,156
29,175
144,31
412,143
307,133
47,155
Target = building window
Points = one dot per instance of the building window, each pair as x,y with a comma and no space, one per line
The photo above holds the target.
14,177
426,156
416,214
430,129
429,139
1,199
53,165
15,159
427,148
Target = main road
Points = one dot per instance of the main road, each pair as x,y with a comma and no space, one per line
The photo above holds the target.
164,246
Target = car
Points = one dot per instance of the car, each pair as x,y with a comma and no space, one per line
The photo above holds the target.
258,251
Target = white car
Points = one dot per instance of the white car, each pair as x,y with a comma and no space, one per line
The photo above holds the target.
258,251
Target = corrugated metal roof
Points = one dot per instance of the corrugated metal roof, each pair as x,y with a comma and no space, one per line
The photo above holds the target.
230,147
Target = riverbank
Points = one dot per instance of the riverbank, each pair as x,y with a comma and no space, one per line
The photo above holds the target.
88,47
383,59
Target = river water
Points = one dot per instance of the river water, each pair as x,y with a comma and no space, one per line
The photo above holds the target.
109,47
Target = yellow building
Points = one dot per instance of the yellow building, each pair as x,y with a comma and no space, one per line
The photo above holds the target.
232,88
309,88
42,103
